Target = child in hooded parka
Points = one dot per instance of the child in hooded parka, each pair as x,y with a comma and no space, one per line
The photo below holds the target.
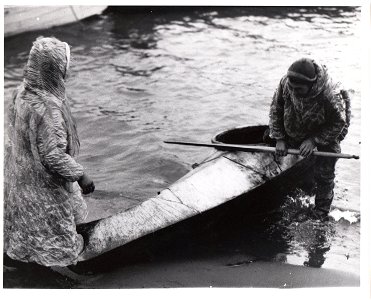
309,110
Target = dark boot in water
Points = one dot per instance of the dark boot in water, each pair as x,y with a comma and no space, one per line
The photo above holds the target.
317,214
321,209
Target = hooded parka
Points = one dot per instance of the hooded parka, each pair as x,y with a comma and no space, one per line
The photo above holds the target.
322,115
43,201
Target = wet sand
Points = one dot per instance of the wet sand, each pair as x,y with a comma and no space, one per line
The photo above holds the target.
220,273
187,274
233,270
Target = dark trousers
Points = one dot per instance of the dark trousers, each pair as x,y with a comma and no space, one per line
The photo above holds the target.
324,175
324,172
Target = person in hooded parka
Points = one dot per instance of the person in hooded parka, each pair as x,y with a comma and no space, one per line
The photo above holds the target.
42,200
309,110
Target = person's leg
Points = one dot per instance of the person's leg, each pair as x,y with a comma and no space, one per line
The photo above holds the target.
324,176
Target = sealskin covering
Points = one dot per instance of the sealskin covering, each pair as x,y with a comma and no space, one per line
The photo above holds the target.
43,201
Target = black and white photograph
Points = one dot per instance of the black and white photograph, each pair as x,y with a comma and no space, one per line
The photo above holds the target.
199,146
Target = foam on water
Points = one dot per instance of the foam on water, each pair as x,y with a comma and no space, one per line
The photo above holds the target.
350,216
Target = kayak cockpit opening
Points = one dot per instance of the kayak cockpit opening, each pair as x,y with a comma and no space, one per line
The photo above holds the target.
245,135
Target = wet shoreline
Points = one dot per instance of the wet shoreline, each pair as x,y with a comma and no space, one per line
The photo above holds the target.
235,271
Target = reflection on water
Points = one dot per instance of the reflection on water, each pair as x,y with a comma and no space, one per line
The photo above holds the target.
138,78
318,249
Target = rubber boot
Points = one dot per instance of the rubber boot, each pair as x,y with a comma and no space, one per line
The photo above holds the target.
322,208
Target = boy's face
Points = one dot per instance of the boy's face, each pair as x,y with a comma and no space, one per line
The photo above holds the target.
298,88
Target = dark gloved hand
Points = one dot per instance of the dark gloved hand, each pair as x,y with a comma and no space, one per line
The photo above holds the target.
281,148
86,184
307,147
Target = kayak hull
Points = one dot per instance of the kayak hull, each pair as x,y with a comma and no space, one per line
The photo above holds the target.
228,186
19,19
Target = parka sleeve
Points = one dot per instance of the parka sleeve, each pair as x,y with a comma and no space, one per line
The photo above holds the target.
276,114
335,111
52,144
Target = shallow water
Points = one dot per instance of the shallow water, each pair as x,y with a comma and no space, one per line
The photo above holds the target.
139,79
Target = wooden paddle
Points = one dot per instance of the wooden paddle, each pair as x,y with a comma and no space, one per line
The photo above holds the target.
252,148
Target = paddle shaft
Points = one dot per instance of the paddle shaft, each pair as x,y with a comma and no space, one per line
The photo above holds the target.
252,148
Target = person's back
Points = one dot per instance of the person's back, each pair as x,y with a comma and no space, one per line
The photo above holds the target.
43,202
20,115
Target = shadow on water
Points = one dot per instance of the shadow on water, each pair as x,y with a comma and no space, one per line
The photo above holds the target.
229,11
135,26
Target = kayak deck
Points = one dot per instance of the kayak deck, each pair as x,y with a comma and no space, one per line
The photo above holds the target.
205,192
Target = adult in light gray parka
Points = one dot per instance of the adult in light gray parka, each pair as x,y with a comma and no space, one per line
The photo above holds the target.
43,201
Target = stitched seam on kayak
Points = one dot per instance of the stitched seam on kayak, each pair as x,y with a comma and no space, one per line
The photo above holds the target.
207,160
277,163
180,201
247,167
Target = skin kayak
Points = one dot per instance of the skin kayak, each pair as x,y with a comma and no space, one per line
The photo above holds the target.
227,185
